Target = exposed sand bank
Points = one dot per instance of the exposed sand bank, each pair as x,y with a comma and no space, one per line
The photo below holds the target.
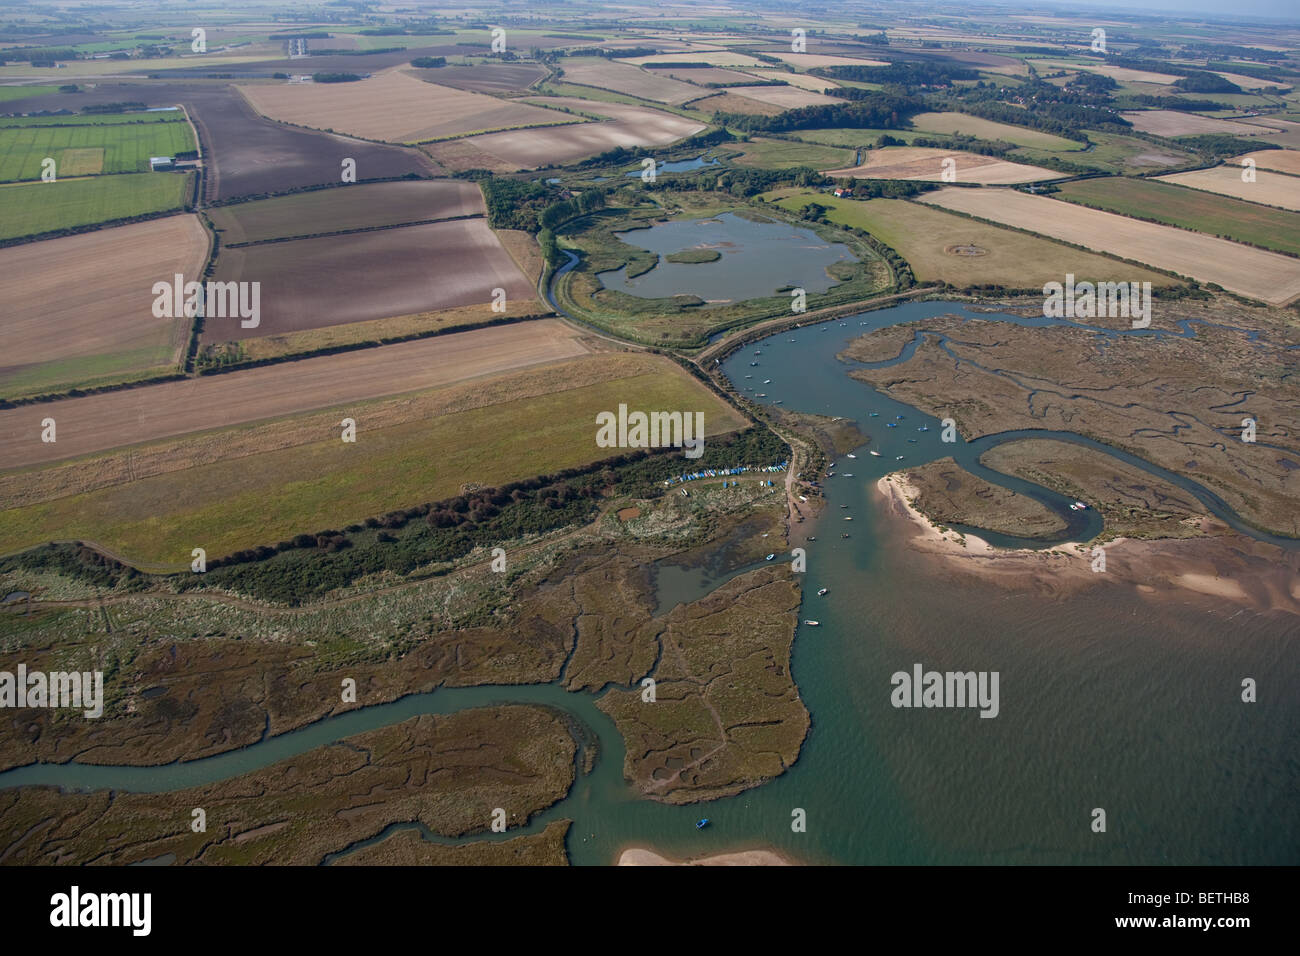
1225,566
640,856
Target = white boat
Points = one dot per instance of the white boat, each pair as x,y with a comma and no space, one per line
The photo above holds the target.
878,454
823,592
853,456
898,458
813,623
769,557
848,518
848,474
767,381
1082,506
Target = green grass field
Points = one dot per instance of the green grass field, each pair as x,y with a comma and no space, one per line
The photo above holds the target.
1190,209
950,123
264,498
94,119
923,235
27,209
782,154
22,92
854,138
89,150
1111,153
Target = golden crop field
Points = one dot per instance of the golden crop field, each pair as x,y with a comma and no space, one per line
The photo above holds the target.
94,423
1266,276
242,487
1271,189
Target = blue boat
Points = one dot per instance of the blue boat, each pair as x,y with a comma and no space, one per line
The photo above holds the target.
701,824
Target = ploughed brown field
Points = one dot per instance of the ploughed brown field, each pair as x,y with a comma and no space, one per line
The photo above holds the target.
627,126
247,154
83,305
357,206
112,419
312,283
485,77
926,163
1266,276
395,107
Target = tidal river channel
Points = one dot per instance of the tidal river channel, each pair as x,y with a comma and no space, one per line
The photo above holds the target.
1107,699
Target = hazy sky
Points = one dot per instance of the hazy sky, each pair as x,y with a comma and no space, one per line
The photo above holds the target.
1269,9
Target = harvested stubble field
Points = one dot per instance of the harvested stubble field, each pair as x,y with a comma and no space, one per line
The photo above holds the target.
1271,189
395,107
1178,123
88,150
1279,160
711,57
1285,133
924,237
248,154
241,487
627,126
703,75
369,332
28,209
802,80
729,101
78,309
1189,209
925,163
332,280
1250,272
356,206
953,123
1119,74
95,423
485,77
786,97
805,61
622,78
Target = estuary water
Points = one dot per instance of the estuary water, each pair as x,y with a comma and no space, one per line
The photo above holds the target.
1107,700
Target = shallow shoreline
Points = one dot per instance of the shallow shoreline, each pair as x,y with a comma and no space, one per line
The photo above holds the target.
1222,566
642,856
